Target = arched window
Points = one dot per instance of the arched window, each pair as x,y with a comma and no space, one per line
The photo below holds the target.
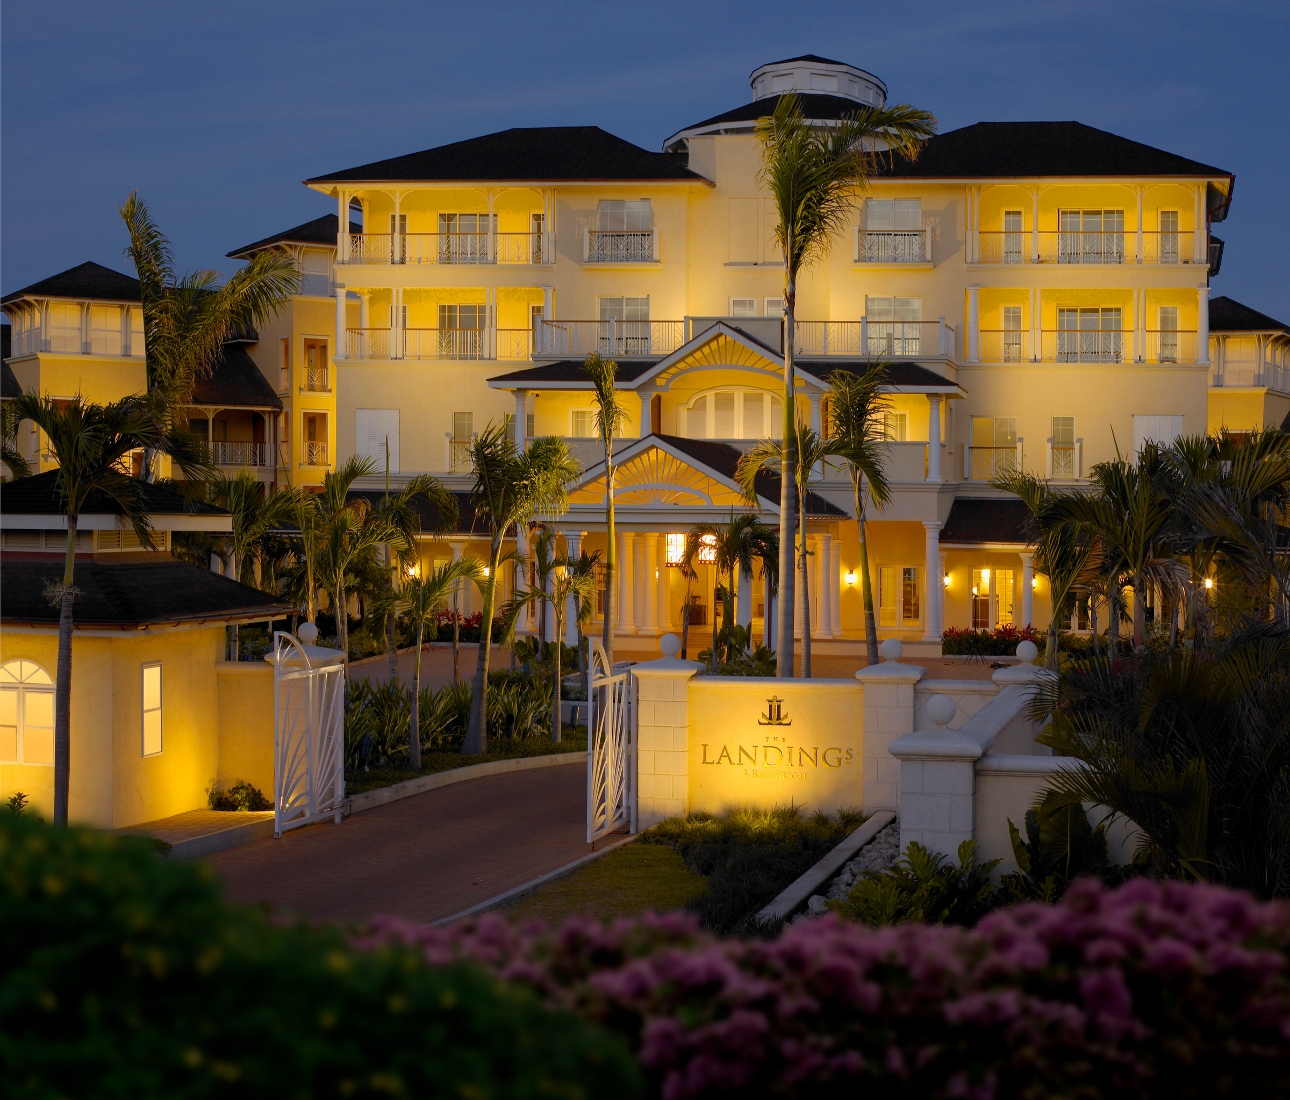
26,714
732,413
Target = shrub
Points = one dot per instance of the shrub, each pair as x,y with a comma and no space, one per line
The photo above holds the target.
1000,642
125,975
1153,989
241,796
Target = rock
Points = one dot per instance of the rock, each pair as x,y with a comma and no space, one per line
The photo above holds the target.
817,905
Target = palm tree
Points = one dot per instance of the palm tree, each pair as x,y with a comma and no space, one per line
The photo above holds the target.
420,598
856,405
92,443
586,564
545,561
568,581
610,417
813,175
9,453
188,318
510,488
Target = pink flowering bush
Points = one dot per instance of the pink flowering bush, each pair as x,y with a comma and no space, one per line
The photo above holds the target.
1152,989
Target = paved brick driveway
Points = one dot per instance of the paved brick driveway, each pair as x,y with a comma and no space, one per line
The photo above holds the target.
424,857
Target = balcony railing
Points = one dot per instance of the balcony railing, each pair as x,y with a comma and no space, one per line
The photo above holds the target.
315,454
987,463
457,459
875,339
239,454
603,246
64,340
893,246
612,337
450,248
438,343
316,380
1238,373
1065,460
1087,346
1092,247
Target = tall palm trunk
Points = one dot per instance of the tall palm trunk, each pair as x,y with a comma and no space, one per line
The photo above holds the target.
716,585
558,663
476,741
611,555
866,585
685,620
63,684
787,486
806,587
414,734
1092,624
1139,610
456,633
391,643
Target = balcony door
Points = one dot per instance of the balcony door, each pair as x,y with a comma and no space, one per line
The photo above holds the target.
893,231
1091,237
461,331
893,325
624,326
1013,247
994,446
1090,335
463,238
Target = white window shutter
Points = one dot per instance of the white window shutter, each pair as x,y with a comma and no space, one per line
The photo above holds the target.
373,428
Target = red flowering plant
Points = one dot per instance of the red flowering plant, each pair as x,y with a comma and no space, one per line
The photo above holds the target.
1002,641
1152,989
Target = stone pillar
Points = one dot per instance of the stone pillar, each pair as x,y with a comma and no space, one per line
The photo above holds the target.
931,563
521,420
661,720
626,574
1027,589
888,714
937,782
573,546
649,584
1202,323
342,227
940,592
934,437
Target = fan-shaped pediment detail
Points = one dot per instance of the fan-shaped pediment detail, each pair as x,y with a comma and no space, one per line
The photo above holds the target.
657,477
721,351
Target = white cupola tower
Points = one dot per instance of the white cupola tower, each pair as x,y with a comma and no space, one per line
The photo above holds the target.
810,74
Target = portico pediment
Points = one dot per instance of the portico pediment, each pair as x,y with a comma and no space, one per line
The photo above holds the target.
721,347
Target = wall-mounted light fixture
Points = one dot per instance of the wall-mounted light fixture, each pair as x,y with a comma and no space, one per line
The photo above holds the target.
850,577
1034,582
487,570
1209,582
946,579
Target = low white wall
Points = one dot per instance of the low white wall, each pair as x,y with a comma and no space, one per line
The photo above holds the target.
969,697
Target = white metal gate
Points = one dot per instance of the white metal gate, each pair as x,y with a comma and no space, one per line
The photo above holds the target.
308,733
611,801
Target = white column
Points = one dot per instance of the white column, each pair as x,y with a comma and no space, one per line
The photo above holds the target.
835,588
1202,325
525,622
940,592
626,573
974,325
649,584
823,582
548,632
521,420
460,591
934,437
1027,591
342,227
1034,223
664,590
931,562
341,342
647,400
1139,191
548,303
744,601
573,547
639,584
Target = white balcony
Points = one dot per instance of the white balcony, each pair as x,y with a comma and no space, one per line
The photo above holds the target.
606,246
875,339
611,337
1094,247
450,248
313,453
237,453
1087,346
438,343
893,246
987,463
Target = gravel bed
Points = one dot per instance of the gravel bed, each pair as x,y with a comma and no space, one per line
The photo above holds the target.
881,852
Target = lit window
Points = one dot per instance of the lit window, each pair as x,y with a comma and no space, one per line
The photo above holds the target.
743,307
909,596
707,549
581,423
675,549
26,714
898,599
897,427
151,709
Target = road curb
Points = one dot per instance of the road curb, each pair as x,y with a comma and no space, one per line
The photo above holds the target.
382,796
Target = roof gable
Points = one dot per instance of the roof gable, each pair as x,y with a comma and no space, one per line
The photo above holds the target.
88,280
320,231
39,495
235,382
526,153
1227,315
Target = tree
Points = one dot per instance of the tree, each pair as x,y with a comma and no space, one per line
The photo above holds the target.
510,488
420,598
9,453
856,430
187,319
569,581
586,564
92,444
734,547
610,417
813,174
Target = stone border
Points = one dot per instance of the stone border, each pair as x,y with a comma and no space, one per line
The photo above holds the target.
210,843
541,880
381,796
800,890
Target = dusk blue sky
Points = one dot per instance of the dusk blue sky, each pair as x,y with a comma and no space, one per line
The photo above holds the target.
215,112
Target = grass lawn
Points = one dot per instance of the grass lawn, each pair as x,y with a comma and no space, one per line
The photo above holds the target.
624,883
356,782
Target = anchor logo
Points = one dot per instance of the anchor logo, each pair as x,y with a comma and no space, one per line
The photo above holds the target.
774,715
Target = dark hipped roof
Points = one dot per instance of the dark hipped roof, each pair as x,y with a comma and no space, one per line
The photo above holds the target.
571,370
88,280
815,105
39,495
526,153
993,150
320,231
898,374
129,594
468,520
724,459
8,383
235,382
1226,315
804,57
977,521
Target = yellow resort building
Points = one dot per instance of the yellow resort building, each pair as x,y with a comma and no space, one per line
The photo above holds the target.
1041,291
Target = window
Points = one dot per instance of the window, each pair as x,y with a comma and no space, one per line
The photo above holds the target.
315,379
1159,429
315,442
26,714
624,309
774,307
892,324
898,599
1004,594
463,427
1063,448
463,238
377,429
743,307
1091,237
675,549
893,231
732,414
624,326
461,331
64,327
897,427
1012,334
582,423
893,214
284,364
1167,322
624,216
136,331
151,709
1012,239
1168,253
105,330
994,446
460,316
1089,335
980,599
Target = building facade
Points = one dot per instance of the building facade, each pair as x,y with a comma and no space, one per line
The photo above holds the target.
1041,291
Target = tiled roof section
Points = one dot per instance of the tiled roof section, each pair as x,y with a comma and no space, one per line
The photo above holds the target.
88,280
235,382
526,153
993,150
724,459
898,374
814,106
977,521
468,520
1226,315
129,593
804,57
320,231
570,370
39,495
8,382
